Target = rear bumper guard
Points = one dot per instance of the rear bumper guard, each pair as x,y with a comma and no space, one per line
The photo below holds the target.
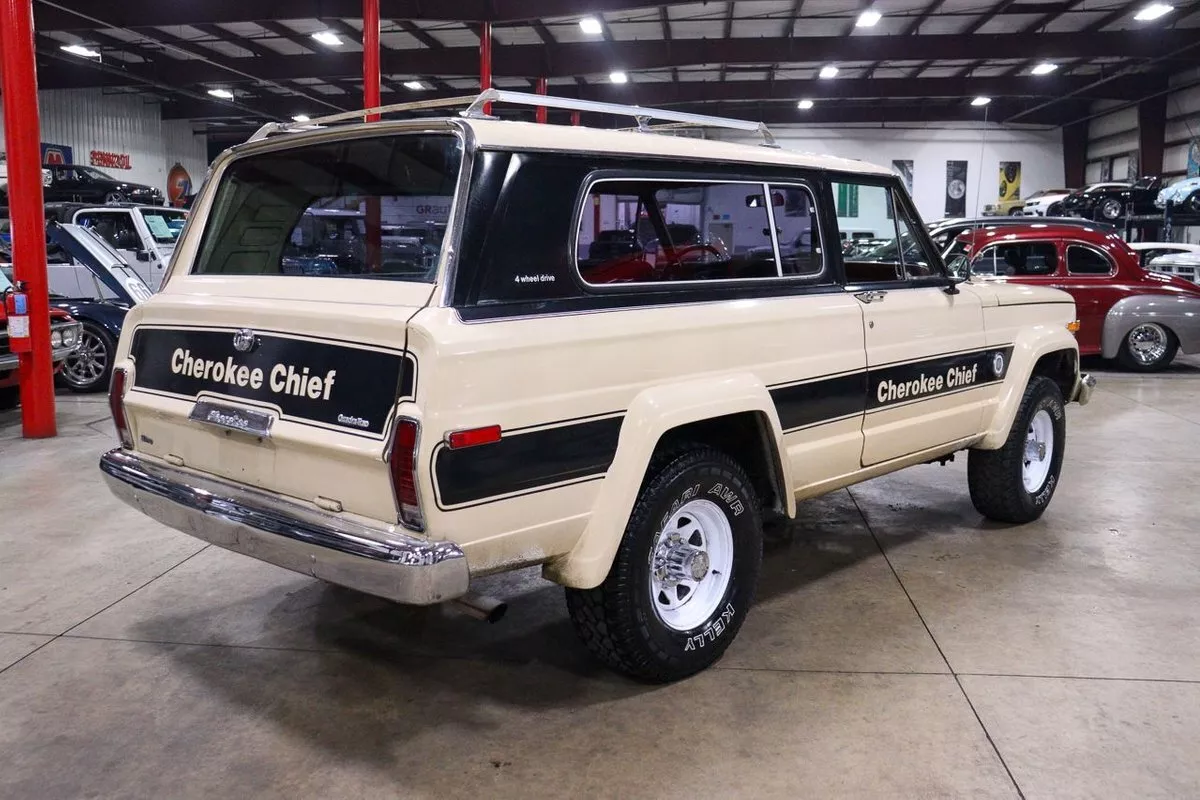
385,561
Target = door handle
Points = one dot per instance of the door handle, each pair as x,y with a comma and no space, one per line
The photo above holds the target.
871,297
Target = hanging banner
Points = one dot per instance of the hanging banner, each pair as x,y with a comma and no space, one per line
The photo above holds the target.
1193,159
847,199
956,188
904,168
1131,168
1010,181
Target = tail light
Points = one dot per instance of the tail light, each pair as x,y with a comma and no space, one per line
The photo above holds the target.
403,463
116,406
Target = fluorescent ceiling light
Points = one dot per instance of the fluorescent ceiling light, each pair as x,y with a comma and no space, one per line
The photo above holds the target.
416,86
328,38
1044,68
828,72
80,50
618,77
804,105
868,19
224,94
300,118
1153,11
981,101
591,25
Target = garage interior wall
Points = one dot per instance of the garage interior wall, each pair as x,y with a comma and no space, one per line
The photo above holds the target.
90,119
1039,151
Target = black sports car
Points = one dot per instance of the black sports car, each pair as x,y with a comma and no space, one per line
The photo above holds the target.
1113,201
81,184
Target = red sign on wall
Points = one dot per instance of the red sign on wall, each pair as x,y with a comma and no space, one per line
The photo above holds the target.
102,158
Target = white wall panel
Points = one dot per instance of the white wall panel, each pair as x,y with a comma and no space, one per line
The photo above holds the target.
89,119
1040,154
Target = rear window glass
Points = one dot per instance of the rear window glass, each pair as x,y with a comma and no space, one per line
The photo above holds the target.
364,208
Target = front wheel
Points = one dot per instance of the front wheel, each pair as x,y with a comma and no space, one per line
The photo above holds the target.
1110,209
113,198
1149,347
89,367
1193,203
684,574
1015,483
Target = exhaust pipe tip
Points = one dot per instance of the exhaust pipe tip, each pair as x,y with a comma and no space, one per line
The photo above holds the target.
487,609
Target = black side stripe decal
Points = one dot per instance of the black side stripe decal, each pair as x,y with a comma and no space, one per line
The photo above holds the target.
571,451
525,461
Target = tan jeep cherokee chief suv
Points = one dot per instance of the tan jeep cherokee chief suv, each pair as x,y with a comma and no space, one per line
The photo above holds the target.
610,353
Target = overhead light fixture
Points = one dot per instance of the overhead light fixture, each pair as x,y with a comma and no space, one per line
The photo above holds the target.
591,26
1152,12
804,105
618,77
80,50
1044,68
224,94
828,71
328,38
301,118
981,101
416,86
868,19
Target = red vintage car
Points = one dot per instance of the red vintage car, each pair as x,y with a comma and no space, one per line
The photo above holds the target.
1125,312
64,338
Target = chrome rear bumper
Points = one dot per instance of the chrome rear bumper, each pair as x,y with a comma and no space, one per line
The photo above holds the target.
384,562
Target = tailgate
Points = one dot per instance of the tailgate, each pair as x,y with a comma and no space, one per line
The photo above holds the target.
296,398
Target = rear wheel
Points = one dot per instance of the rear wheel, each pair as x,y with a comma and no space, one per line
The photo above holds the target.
89,367
684,575
1149,347
1015,483
1110,209
1193,203
112,198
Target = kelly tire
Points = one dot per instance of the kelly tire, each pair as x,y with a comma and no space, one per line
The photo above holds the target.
1148,347
623,622
999,480
89,368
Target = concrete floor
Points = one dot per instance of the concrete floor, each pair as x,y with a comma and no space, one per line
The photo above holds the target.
901,647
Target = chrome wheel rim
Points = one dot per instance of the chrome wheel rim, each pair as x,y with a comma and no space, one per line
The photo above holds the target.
691,563
1148,343
1039,451
86,365
1111,209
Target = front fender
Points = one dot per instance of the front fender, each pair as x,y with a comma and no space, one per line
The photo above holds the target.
1031,345
653,413
1180,314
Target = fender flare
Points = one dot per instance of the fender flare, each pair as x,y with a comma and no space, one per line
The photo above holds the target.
1166,310
1031,345
653,413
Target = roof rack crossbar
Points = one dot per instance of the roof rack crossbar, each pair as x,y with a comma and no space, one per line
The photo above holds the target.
475,105
641,114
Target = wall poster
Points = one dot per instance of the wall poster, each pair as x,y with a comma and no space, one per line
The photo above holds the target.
1193,159
1010,181
956,188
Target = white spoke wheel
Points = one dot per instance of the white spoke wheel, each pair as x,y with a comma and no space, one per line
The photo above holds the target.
1148,347
1016,482
690,565
1039,451
684,574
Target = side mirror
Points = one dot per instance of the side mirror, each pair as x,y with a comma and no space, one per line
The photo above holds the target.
142,255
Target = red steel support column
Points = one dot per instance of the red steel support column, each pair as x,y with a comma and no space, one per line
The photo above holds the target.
22,141
541,110
371,80
485,61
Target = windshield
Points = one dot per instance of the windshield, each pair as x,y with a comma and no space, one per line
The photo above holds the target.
306,211
95,174
165,225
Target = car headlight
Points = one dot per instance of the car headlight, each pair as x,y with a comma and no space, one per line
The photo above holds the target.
70,336
56,339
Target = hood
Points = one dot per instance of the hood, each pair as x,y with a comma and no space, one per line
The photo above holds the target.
999,292
88,249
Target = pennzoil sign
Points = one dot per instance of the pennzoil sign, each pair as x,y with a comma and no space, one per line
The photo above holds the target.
103,158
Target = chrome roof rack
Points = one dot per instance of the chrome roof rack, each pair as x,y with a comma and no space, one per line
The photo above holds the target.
475,105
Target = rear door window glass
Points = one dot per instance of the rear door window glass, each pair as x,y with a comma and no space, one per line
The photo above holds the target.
1017,259
1086,261
365,208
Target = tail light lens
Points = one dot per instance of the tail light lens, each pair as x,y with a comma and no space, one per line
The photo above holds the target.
403,463
116,406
